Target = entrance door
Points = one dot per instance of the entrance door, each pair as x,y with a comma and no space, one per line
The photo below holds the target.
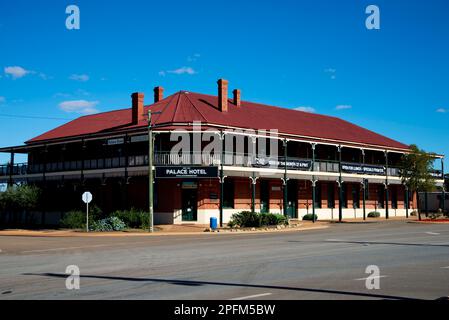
292,199
264,196
189,204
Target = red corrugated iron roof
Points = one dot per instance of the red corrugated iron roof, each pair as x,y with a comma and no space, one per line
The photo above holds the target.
186,107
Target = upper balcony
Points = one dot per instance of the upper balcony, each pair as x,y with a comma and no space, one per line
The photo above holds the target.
230,159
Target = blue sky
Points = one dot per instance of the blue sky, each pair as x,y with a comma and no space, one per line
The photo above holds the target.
317,55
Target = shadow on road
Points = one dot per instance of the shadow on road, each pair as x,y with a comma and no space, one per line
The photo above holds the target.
213,283
371,242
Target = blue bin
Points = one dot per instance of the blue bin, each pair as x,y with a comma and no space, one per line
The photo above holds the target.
213,223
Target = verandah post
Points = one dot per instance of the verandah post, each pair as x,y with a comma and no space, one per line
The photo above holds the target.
386,185
340,191
285,178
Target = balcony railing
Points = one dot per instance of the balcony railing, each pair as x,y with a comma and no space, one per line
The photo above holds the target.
167,158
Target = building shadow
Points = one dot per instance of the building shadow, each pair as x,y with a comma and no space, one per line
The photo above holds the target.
198,283
371,242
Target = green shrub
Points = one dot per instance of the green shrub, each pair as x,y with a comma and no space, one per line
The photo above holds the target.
269,219
248,219
76,219
374,214
309,217
73,220
108,224
245,219
133,218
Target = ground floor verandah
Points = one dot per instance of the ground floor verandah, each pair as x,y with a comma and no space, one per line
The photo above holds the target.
197,200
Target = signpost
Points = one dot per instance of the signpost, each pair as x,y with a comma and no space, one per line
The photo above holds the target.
87,198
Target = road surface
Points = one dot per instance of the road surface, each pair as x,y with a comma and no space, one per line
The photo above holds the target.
413,260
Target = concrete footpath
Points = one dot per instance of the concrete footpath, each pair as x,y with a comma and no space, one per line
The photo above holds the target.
162,230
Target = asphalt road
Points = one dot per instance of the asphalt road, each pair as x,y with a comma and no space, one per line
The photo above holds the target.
413,260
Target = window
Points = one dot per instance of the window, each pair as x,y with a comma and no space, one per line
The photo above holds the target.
318,195
380,197
331,196
228,194
355,196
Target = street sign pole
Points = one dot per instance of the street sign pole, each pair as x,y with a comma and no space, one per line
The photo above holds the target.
87,198
87,217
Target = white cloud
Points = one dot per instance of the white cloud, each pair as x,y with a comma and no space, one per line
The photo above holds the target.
183,70
16,72
442,110
193,57
343,107
79,106
79,77
44,76
332,73
162,73
2,99
305,109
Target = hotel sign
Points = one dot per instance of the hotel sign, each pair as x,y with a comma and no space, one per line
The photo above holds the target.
115,141
186,172
363,169
291,163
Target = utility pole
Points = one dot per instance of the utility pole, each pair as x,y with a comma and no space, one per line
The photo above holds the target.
150,172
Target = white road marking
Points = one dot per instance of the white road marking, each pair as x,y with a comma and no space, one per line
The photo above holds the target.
445,267
338,240
432,233
84,247
67,248
253,296
371,277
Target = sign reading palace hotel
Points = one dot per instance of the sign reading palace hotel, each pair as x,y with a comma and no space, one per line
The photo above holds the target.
186,172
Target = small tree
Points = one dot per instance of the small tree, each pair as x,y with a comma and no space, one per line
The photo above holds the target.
416,171
18,198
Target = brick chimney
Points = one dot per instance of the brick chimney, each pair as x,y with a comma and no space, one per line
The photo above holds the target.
137,107
158,94
236,99
222,95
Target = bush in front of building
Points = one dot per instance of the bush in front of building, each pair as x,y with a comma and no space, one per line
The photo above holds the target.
309,217
108,224
73,220
248,219
374,214
270,219
133,218
76,219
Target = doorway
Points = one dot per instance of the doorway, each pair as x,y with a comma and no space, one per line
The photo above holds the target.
292,199
189,204
264,196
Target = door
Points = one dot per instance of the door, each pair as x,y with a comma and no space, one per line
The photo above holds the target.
264,196
292,199
189,204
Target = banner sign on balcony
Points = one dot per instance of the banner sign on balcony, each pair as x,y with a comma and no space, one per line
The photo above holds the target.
436,174
139,138
362,169
111,142
291,163
186,172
